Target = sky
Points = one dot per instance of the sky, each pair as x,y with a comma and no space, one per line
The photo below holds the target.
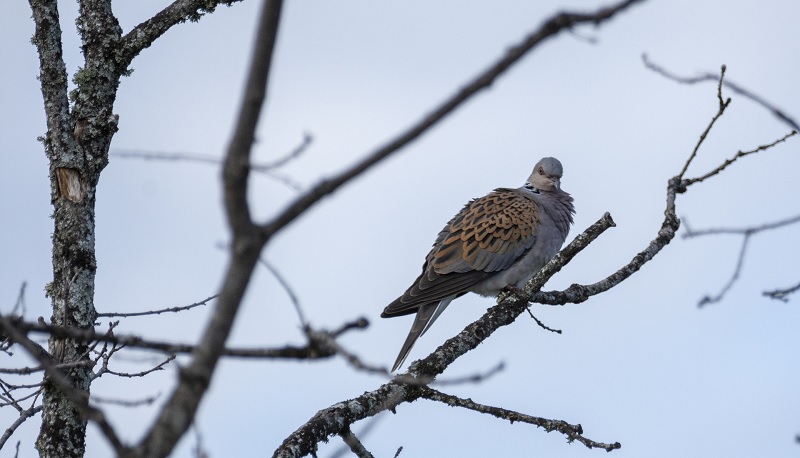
640,364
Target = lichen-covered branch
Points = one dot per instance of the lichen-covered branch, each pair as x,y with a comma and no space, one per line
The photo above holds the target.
52,76
576,293
573,432
179,11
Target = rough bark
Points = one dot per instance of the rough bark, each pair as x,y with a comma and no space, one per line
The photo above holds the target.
75,165
77,144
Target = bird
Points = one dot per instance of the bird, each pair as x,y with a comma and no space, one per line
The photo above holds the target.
496,242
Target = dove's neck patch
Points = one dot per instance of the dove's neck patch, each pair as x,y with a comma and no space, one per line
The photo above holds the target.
531,188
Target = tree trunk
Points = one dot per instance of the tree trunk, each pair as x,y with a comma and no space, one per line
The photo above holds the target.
77,145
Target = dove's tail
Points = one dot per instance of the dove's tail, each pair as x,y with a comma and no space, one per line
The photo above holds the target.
426,315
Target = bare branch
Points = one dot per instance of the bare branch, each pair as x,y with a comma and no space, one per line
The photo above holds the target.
475,378
158,312
573,432
578,293
280,162
124,403
268,169
166,156
355,445
78,398
345,449
746,233
311,351
720,110
782,294
542,325
690,233
24,415
180,11
19,306
559,23
158,367
289,291
739,154
179,410
739,263
729,84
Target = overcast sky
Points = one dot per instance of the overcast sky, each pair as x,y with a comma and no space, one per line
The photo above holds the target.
640,364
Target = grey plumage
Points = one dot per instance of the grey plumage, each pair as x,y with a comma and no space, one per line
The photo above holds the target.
498,240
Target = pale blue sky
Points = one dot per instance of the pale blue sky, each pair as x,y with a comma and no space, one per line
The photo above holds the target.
640,364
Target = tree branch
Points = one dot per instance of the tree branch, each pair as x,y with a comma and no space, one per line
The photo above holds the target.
782,294
746,233
157,312
783,117
53,76
573,432
180,11
179,410
739,154
78,398
552,27
315,349
24,415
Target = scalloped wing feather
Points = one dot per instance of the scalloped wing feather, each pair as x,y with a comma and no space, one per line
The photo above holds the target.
488,235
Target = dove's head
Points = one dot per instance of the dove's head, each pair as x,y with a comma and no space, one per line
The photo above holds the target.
546,174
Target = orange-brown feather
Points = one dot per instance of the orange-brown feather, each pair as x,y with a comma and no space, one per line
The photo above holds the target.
488,235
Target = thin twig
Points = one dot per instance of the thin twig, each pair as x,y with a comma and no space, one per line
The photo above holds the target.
19,306
365,431
703,77
738,155
280,162
355,445
24,415
746,233
78,398
265,169
739,263
690,233
158,367
90,335
542,325
286,287
158,312
126,403
782,294
573,432
723,104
